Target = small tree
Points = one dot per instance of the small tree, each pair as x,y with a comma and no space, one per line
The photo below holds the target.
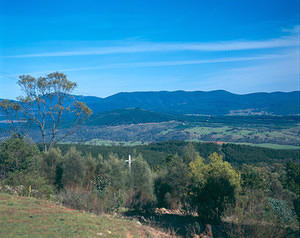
214,185
17,156
141,184
44,103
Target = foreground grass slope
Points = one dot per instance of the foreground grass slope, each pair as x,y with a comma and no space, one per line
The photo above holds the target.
30,217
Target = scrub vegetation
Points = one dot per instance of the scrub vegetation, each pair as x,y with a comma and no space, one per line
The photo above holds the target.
187,189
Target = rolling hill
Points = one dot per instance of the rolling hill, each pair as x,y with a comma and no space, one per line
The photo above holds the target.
199,102
145,117
217,102
127,116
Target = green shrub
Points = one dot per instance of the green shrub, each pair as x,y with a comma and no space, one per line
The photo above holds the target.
17,155
171,184
214,186
39,186
50,163
73,169
281,210
140,184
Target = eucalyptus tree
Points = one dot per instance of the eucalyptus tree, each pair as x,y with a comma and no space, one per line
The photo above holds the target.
44,102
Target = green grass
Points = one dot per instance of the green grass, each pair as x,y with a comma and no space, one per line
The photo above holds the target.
30,217
273,146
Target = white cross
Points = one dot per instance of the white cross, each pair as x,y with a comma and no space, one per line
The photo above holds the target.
129,161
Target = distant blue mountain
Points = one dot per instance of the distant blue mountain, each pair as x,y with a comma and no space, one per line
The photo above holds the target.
218,102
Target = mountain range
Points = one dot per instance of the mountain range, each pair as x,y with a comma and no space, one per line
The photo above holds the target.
218,102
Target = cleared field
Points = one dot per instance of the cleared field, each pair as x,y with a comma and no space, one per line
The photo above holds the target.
254,135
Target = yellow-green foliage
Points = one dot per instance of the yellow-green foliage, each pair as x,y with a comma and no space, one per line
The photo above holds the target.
200,171
214,185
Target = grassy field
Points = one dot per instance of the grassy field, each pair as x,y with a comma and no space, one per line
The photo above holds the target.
273,146
252,135
30,217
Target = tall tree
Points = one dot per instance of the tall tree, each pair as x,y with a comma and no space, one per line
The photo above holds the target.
44,103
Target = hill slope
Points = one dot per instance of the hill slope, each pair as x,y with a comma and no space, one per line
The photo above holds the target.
127,116
29,217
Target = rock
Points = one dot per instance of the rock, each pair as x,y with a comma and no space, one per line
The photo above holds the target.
138,223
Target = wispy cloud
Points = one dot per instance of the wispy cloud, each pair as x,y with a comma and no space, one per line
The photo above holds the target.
164,63
278,75
293,30
178,63
165,47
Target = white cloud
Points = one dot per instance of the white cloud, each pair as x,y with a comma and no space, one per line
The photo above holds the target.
275,75
163,63
165,47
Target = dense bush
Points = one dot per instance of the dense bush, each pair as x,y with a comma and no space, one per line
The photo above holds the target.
17,155
52,167
20,166
214,185
140,184
172,183
73,168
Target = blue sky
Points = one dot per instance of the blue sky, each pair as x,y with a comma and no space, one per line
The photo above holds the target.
115,46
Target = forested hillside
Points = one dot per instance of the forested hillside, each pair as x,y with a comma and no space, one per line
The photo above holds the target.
198,102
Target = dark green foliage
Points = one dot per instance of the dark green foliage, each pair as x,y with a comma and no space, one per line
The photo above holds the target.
212,199
16,156
52,167
25,180
73,169
292,183
281,210
58,177
101,182
257,216
253,178
155,153
243,154
296,204
172,183
21,166
115,170
292,180
140,184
